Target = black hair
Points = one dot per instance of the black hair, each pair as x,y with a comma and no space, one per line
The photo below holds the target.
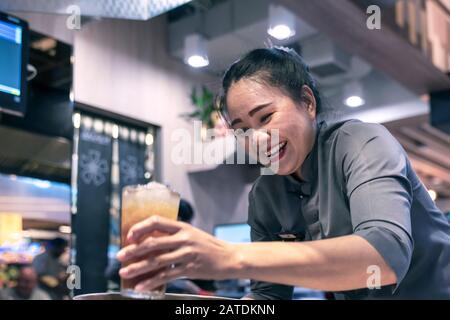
279,67
185,211
58,242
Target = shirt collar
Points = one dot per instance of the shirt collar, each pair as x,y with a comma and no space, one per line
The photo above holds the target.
308,170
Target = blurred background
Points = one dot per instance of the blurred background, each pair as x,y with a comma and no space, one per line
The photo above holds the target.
91,92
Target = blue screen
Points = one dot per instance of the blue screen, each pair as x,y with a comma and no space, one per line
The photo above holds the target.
236,233
10,58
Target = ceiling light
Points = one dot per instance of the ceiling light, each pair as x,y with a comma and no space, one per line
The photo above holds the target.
354,102
65,229
41,183
281,23
354,95
196,51
76,120
198,61
115,131
149,139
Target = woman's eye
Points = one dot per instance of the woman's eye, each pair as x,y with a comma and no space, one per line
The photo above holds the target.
266,118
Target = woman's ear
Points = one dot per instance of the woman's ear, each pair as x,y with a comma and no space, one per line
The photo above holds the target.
309,100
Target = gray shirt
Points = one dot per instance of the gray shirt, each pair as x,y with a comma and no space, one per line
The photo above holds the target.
358,180
45,264
11,294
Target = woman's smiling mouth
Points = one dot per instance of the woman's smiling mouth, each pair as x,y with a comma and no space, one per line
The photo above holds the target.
277,152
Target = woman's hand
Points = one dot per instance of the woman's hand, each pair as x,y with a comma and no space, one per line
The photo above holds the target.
185,251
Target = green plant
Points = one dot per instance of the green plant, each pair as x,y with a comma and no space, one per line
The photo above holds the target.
8,276
203,100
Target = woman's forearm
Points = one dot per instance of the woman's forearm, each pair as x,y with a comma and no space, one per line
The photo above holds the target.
336,264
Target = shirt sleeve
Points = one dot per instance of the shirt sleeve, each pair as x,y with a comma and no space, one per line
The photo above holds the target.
39,264
379,192
264,290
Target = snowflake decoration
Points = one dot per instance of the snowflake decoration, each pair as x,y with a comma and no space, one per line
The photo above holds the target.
130,170
93,168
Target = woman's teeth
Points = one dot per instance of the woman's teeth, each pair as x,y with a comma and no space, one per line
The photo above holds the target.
275,150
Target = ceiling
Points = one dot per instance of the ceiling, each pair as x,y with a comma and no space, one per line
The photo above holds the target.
31,154
123,9
231,27
234,27
51,58
428,149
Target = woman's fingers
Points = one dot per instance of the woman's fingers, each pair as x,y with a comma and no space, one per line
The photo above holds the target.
181,256
154,223
149,245
163,277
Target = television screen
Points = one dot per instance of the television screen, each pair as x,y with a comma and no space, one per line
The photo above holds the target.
14,34
234,232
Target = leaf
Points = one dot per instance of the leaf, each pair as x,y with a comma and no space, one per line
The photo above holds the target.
207,95
191,115
203,100
193,95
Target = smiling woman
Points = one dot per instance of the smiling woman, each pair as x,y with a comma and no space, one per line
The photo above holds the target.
274,82
345,212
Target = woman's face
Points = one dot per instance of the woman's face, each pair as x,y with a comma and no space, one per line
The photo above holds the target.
254,105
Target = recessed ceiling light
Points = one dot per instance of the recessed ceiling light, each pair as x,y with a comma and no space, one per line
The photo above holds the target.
281,23
354,102
196,51
149,139
354,94
281,32
197,61
65,229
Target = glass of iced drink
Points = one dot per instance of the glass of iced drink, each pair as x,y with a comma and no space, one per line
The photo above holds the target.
139,203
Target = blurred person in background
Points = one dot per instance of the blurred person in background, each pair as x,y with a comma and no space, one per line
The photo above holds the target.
26,288
51,268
